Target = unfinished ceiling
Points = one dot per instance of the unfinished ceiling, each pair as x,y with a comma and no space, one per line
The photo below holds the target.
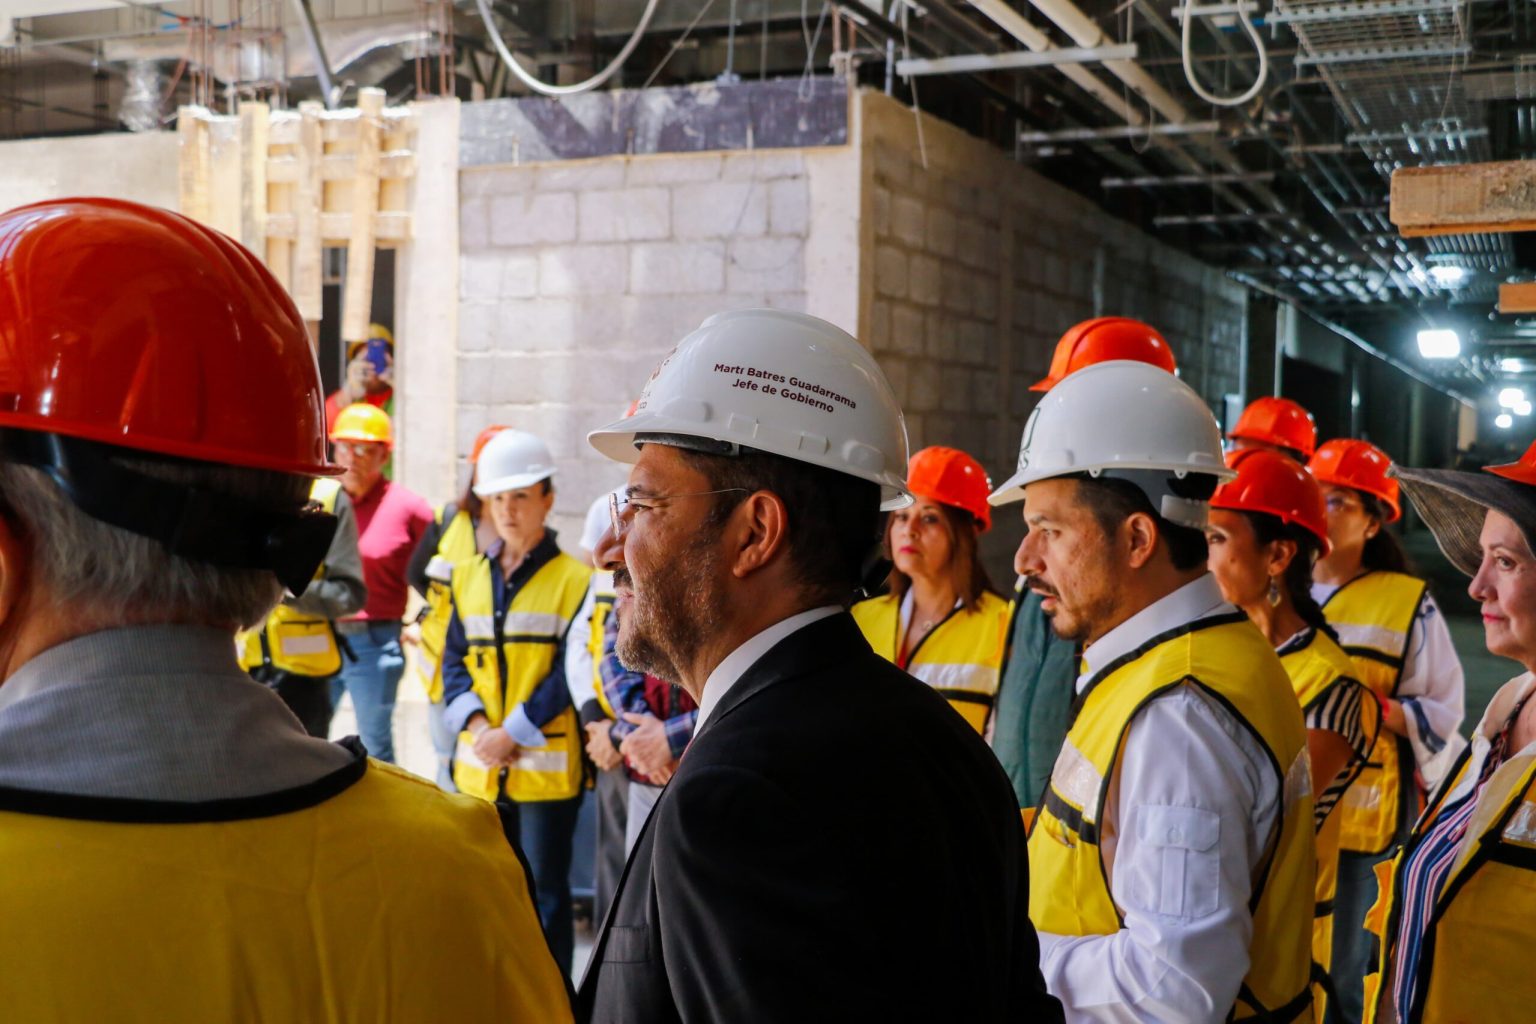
1280,177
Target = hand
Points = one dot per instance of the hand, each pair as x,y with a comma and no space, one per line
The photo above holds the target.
494,746
360,377
1393,718
600,746
410,635
647,749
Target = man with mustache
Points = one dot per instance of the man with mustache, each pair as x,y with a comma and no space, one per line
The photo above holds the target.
1171,858
836,844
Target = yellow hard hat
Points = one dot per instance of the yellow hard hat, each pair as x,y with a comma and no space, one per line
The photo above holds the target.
374,331
363,422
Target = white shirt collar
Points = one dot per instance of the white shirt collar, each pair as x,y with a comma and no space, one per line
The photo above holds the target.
735,664
1198,599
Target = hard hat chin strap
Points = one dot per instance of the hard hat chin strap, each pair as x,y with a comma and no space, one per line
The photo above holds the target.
195,524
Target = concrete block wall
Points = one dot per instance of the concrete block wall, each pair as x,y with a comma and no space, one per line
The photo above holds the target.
974,266
576,278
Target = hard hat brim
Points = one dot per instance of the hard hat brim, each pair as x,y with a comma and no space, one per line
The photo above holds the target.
488,488
617,442
1012,489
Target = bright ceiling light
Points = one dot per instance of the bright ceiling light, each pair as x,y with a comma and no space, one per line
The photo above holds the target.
1448,276
1511,397
1439,344
1512,365
1523,409
1503,421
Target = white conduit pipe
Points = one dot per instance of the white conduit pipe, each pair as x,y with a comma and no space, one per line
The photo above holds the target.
1186,53
564,90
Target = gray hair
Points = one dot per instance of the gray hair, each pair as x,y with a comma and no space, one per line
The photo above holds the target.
87,564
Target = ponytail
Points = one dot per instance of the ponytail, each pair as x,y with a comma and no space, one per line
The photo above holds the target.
1383,552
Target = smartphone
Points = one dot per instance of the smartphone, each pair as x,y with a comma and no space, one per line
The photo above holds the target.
376,351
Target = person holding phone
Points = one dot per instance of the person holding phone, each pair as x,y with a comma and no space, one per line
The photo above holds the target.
370,375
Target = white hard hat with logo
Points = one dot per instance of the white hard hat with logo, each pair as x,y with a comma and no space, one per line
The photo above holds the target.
510,460
777,382
1125,420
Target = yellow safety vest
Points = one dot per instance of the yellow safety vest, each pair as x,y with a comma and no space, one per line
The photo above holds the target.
507,663
1373,615
291,640
1314,667
961,657
602,607
314,913
1474,964
454,545
1069,881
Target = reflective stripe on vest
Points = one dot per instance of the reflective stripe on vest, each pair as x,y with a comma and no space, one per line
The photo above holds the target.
1474,962
504,675
602,607
1374,617
961,657
291,640
311,914
456,543
1227,657
1314,667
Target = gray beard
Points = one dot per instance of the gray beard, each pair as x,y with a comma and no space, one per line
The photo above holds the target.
681,612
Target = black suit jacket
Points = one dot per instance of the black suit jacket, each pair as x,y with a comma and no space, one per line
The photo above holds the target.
837,845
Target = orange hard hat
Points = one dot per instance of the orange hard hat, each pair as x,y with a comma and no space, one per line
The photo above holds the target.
1103,339
361,421
1274,485
125,328
1523,472
1280,422
951,477
483,437
140,328
1358,465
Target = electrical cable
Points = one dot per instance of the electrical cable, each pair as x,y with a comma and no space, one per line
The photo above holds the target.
1186,53
563,90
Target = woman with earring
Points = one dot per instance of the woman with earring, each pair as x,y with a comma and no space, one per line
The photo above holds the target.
1390,626
1267,528
942,621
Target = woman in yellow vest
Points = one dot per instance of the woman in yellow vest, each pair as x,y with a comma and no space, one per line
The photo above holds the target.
942,621
1458,909
1267,528
504,688
458,532
1390,626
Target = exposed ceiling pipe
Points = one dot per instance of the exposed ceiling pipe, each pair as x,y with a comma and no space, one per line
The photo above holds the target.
328,91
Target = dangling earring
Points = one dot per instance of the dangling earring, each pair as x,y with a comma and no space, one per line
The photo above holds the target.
1274,593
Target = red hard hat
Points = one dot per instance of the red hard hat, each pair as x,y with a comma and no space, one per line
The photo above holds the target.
140,328
1271,484
1523,471
482,438
951,477
1280,422
1103,339
1359,465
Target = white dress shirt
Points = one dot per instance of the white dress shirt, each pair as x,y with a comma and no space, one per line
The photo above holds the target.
1432,689
1189,814
735,664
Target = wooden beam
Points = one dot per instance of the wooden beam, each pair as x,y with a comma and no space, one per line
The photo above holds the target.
192,163
306,215
253,176
1459,199
357,290
1517,298
341,167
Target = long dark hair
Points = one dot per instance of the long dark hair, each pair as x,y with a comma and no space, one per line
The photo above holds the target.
469,501
965,567
1383,552
1297,578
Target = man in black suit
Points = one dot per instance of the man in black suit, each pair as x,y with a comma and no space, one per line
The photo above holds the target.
837,844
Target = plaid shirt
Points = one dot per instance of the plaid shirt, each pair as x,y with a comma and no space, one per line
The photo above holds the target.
626,691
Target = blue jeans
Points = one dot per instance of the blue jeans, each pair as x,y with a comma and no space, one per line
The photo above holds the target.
372,680
443,741
544,831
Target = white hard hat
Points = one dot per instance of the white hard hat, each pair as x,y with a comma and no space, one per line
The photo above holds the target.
783,383
1128,420
512,459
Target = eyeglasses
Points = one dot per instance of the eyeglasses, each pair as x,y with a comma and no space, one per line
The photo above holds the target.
1337,503
622,510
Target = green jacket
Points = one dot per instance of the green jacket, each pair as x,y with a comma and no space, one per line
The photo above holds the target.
1034,699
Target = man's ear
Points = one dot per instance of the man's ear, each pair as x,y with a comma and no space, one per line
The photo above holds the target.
758,531
1140,533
